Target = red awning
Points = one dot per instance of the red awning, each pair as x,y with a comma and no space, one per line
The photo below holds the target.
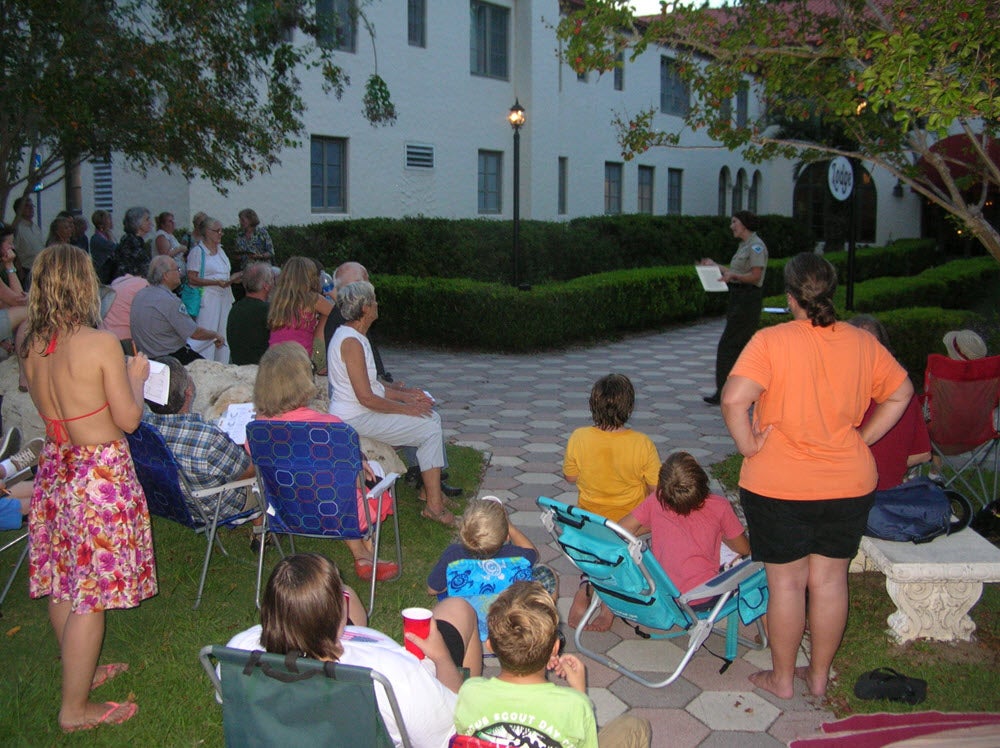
963,161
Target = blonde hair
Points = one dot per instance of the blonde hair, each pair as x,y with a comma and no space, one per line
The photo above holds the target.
63,295
523,624
198,222
483,528
284,381
294,294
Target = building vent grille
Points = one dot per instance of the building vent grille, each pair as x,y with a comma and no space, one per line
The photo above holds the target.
419,156
103,195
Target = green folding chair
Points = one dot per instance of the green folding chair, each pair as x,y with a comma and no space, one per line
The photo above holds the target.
270,699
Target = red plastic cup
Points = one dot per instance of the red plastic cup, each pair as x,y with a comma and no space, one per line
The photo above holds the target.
416,621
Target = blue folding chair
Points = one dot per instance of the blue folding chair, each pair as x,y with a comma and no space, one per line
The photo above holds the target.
23,536
310,474
630,581
167,493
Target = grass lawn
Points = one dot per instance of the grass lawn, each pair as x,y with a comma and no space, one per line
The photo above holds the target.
161,638
961,676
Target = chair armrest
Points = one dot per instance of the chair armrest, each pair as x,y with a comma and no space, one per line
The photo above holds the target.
203,492
727,581
382,486
206,662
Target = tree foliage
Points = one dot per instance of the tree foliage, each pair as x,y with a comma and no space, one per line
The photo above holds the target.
879,80
209,87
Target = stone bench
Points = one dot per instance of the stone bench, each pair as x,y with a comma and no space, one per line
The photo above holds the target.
934,585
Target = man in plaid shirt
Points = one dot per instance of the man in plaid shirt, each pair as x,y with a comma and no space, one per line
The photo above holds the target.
206,455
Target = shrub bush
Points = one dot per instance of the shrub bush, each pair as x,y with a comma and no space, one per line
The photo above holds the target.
481,249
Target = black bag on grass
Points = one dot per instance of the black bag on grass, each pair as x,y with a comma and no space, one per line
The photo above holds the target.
919,511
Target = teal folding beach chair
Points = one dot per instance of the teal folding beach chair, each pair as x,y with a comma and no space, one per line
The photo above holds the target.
271,700
630,581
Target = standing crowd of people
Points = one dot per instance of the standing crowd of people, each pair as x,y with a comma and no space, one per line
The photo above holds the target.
807,404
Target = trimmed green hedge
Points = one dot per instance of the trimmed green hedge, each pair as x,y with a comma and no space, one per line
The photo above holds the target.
950,286
481,249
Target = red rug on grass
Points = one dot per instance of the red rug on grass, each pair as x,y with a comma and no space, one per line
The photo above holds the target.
880,730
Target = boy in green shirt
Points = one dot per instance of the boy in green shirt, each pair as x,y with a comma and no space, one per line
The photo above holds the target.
521,703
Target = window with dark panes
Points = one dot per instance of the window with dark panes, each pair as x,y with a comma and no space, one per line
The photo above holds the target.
328,174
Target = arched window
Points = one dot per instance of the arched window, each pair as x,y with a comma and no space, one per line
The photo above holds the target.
753,199
725,185
828,218
739,189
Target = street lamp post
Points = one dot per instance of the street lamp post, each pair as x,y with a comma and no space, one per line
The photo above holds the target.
516,119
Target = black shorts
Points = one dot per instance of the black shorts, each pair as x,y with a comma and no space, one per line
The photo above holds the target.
453,640
783,531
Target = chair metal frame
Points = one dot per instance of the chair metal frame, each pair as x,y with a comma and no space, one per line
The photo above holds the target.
984,374
658,597
166,490
332,450
237,656
7,546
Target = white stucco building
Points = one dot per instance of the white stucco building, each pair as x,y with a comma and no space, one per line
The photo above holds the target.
454,68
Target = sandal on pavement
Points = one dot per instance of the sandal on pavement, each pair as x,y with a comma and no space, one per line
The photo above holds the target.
886,683
116,714
444,517
384,570
107,672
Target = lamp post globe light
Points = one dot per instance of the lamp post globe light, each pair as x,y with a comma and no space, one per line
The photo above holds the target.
516,119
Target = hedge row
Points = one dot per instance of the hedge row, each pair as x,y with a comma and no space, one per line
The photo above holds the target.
950,286
480,249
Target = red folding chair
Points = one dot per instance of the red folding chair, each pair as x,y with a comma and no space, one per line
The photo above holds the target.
961,400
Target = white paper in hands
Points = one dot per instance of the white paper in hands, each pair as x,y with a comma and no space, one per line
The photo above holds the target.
711,278
234,421
157,386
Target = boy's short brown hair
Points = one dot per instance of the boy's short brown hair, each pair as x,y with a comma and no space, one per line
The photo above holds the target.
682,485
523,624
483,528
612,399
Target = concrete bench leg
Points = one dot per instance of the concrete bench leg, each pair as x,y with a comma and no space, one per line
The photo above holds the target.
932,610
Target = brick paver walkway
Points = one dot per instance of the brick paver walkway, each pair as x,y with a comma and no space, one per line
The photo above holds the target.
521,409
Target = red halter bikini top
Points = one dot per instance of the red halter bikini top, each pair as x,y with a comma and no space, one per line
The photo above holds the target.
55,428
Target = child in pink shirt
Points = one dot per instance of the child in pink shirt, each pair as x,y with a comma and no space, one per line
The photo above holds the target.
688,524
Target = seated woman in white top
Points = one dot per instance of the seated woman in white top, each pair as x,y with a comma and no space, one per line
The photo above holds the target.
400,418
303,610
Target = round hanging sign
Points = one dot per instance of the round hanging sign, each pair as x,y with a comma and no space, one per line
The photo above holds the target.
840,178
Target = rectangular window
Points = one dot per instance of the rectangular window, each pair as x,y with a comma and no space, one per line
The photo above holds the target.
620,72
563,177
675,179
490,182
742,97
338,24
645,189
328,174
612,188
488,40
675,98
416,22
419,156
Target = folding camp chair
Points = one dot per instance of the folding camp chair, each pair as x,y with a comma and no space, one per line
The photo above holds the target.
11,480
961,399
480,582
631,582
270,699
167,490
310,474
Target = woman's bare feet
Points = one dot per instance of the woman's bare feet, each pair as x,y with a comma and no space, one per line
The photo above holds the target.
817,686
767,680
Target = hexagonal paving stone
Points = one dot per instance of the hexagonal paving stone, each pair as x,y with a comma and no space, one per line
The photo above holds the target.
647,654
741,739
544,448
675,696
673,728
509,434
506,461
795,724
541,479
607,706
733,710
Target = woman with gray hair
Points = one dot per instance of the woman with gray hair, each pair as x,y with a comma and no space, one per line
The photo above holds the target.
132,256
401,418
209,269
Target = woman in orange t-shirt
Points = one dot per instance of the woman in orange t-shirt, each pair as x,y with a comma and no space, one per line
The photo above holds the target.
808,479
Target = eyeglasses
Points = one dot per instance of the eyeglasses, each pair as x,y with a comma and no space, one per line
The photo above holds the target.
214,231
